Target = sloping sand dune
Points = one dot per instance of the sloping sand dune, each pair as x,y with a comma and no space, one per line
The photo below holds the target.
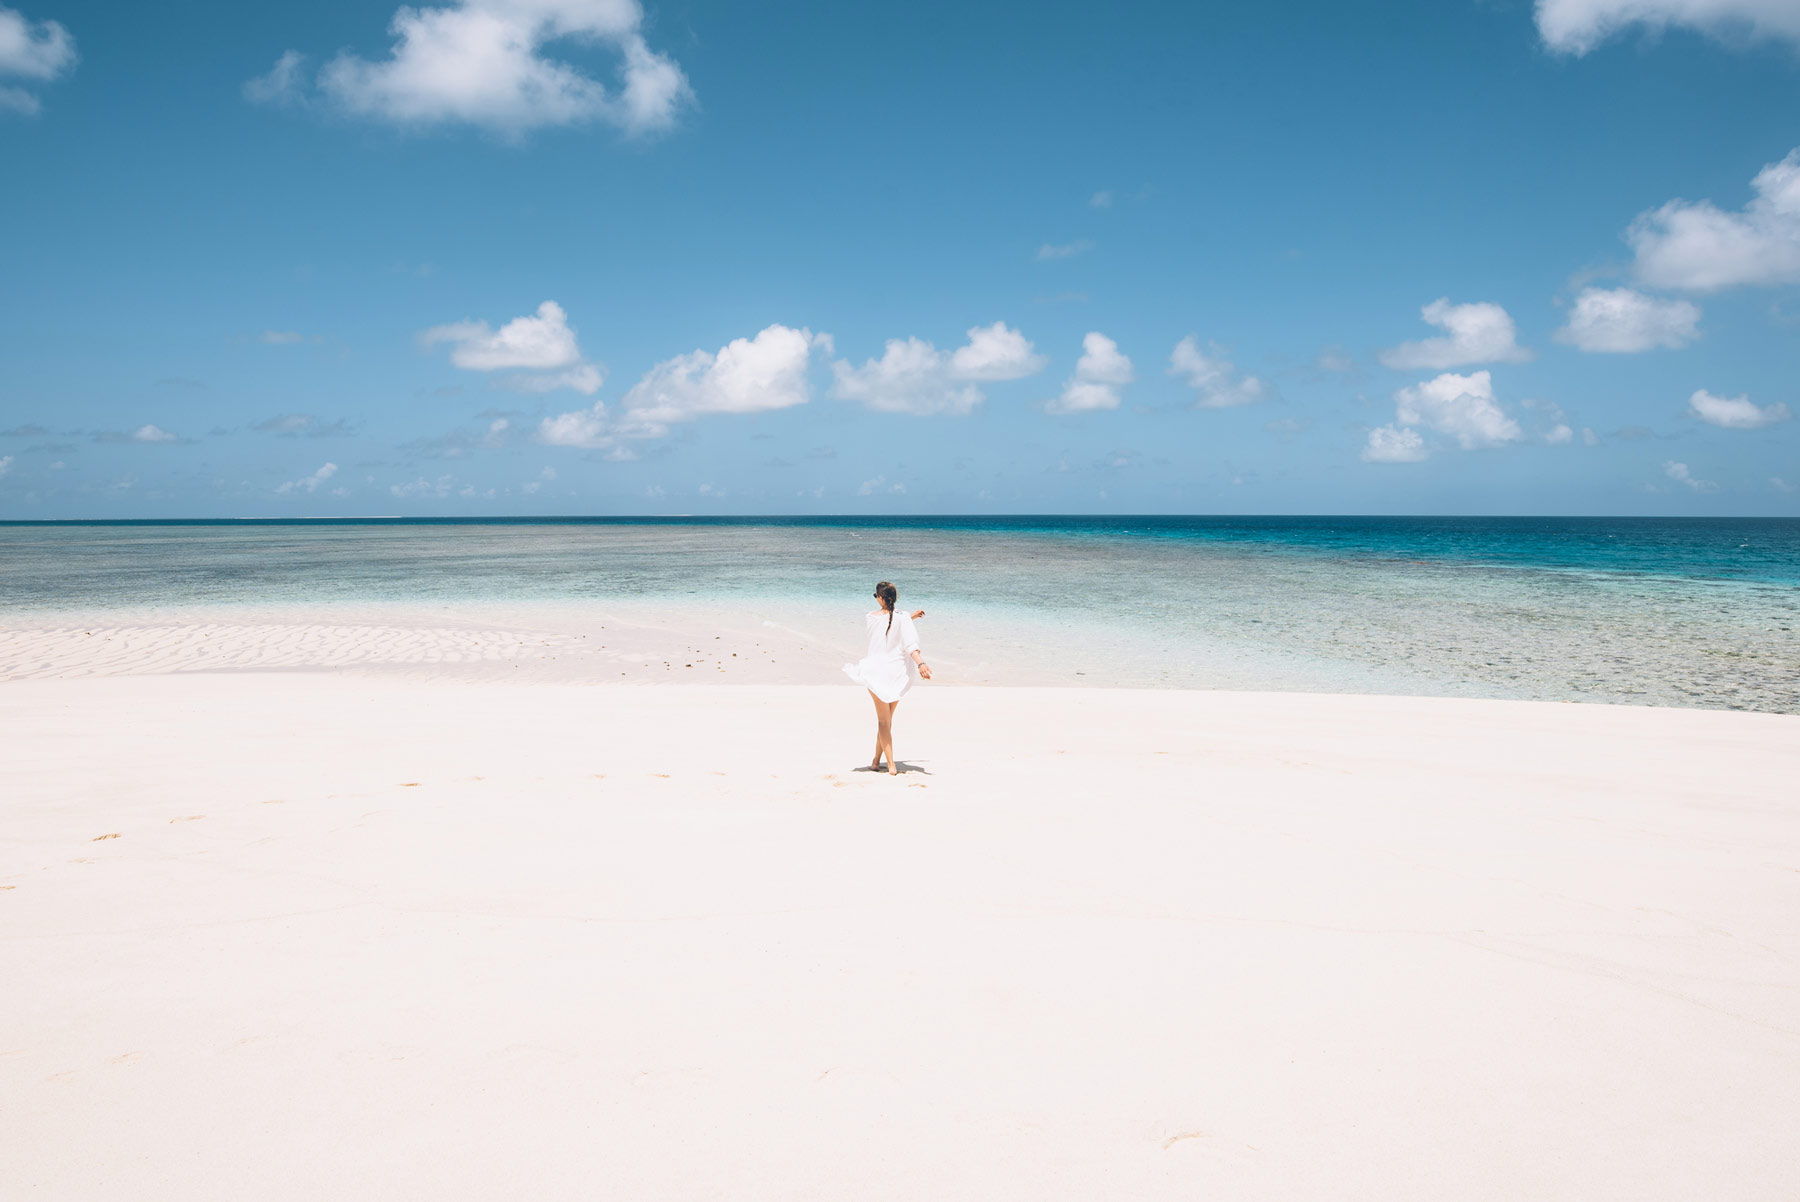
324,936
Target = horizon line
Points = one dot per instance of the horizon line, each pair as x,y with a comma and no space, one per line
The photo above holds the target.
623,518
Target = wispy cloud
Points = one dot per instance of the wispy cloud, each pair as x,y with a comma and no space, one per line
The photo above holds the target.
34,51
1051,251
1577,26
303,425
878,484
309,484
1680,473
143,434
421,487
459,443
1213,377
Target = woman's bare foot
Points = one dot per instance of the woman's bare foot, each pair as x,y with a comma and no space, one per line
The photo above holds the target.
875,764
893,768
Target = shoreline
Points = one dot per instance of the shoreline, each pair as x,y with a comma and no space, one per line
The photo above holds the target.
753,642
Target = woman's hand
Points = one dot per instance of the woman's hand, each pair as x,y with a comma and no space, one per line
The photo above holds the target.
917,614
925,671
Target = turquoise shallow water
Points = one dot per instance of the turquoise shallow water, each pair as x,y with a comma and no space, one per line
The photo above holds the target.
1673,612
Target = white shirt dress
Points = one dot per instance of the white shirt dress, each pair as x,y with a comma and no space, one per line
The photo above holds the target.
887,670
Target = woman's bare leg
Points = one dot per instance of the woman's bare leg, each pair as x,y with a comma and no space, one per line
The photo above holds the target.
881,711
887,734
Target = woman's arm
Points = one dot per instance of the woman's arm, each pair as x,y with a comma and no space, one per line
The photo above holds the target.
917,614
909,639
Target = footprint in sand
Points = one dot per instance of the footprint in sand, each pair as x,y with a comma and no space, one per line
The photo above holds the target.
189,818
98,838
410,784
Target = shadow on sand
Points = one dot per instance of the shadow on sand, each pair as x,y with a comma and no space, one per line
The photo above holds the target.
905,767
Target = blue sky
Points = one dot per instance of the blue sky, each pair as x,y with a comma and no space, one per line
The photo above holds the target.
581,256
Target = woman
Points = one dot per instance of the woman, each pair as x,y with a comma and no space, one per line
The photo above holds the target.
884,672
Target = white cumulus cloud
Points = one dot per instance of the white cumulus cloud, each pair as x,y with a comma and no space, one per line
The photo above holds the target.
1392,444
995,352
1461,406
584,428
541,341
914,377
1699,247
1099,374
484,63
1480,332
1577,26
1625,321
37,51
309,484
149,433
746,375
6,462
1212,376
1735,412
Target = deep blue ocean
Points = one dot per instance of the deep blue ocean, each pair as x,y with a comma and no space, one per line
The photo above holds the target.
1658,610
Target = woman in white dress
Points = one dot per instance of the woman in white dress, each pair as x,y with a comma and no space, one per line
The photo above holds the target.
886,671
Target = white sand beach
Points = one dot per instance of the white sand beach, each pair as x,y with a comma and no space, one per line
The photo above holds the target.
289,934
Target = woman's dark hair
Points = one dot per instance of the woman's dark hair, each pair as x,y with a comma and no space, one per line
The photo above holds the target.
889,596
